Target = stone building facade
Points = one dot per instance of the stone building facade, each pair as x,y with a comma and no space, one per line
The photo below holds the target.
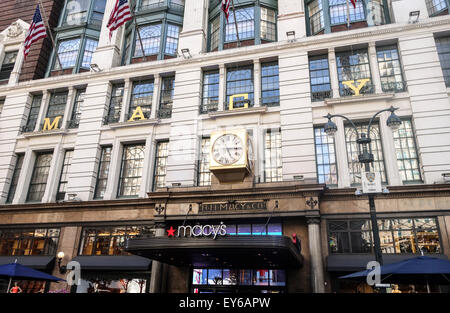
105,144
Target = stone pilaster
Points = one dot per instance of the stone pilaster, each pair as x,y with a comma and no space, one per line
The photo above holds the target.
315,249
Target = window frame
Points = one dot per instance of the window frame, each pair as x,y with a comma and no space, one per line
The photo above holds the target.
204,165
278,151
276,77
68,156
99,171
39,154
155,167
207,90
121,176
15,178
333,143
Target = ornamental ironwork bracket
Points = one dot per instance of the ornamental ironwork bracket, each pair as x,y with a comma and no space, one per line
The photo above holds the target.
311,202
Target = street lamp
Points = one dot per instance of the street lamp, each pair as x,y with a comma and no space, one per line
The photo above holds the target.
365,157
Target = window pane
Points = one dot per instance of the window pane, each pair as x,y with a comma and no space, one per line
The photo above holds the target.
361,242
435,6
353,66
39,177
390,69
215,33
244,229
76,12
131,173
338,11
204,175
261,277
268,24
270,89
240,81
319,78
161,165
245,23
103,172
325,158
172,39
68,53
89,49
273,166
64,175
406,151
259,229
277,277
141,96
443,48
316,21
76,111
275,229
339,242
210,95
166,97
214,277
115,104
151,39
15,178
200,277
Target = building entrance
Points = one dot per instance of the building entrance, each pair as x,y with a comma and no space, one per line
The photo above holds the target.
214,280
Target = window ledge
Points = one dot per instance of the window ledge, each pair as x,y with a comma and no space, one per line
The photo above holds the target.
369,97
238,112
45,133
134,123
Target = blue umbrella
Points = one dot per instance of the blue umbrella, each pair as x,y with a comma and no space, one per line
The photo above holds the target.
18,271
414,269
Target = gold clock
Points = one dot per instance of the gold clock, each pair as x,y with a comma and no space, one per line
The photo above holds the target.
229,155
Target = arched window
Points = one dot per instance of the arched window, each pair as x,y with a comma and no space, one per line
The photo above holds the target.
254,22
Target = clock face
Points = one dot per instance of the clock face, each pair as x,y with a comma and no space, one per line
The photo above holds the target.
227,149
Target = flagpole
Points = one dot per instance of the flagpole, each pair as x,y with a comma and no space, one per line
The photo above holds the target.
138,32
47,27
348,14
235,24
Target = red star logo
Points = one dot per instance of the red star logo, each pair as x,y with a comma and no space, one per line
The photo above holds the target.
170,232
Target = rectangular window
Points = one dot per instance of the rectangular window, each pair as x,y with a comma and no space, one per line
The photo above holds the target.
98,12
353,66
103,172
390,69
436,6
131,171
237,277
115,104
76,111
33,115
245,18
352,151
172,39
240,82
443,49
110,240
2,103
15,178
68,53
268,24
215,33
89,49
405,148
210,94
316,21
204,175
62,187
409,235
319,75
338,12
141,96
166,100
162,153
151,40
56,107
273,167
76,12
39,178
325,157
353,236
270,84
37,242
8,64
150,4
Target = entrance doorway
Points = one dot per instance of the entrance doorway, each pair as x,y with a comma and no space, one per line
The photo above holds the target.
225,280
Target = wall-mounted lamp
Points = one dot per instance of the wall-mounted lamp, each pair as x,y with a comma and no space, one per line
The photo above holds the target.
176,184
95,67
290,35
299,177
186,53
446,177
60,256
413,17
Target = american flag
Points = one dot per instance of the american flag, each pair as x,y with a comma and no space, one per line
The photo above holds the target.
354,3
226,7
119,16
37,31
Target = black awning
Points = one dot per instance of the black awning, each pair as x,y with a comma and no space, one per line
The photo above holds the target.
358,262
229,251
113,263
36,262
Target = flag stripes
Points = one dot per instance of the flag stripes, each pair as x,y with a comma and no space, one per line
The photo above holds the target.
36,31
119,16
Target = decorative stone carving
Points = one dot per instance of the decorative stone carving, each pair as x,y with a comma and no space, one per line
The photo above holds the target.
15,30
